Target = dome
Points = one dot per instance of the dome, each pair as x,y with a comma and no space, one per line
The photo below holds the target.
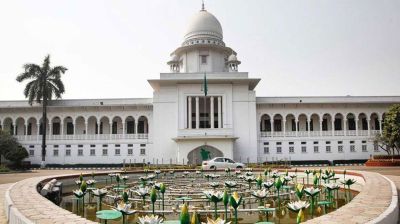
174,58
204,24
232,57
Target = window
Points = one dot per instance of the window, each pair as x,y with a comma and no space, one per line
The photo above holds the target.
303,143
114,127
142,145
291,143
324,124
304,149
55,152
92,146
327,142
364,141
68,152
278,150
340,148
220,160
328,148
364,148
117,152
142,152
92,152
117,145
70,128
352,148
68,146
316,149
291,149
80,146
340,142
105,145
266,143
31,152
80,152
31,146
130,151
351,142
203,59
105,152
279,143
315,143
266,150
55,146
130,127
130,145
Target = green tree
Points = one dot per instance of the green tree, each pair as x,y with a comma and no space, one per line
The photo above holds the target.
44,83
389,141
11,149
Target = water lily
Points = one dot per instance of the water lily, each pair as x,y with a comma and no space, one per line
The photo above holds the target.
143,192
230,184
348,183
331,187
153,219
312,192
184,216
275,174
286,180
91,182
124,178
186,173
298,207
249,179
249,173
235,201
260,195
125,209
214,184
100,193
307,172
214,196
157,172
162,191
268,184
78,193
217,221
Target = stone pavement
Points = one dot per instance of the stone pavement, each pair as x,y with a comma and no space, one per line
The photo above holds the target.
3,188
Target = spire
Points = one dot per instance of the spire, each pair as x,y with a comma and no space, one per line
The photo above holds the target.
202,5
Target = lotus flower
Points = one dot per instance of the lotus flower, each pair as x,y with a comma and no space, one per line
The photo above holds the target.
153,197
275,174
225,200
249,179
125,208
78,193
312,192
268,184
143,192
157,171
184,217
307,172
91,182
237,172
151,176
230,184
260,194
214,196
186,173
332,186
217,221
296,206
235,201
286,179
153,219
198,172
249,173
100,192
348,183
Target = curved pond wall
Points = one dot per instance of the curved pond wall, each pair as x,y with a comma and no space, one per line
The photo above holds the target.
377,202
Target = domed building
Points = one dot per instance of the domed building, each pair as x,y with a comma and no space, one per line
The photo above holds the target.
204,104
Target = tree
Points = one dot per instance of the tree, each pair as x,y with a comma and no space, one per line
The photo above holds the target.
44,83
389,141
11,149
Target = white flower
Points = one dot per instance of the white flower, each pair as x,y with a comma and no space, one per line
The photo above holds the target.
124,177
91,182
198,172
268,184
230,184
217,221
214,184
78,193
143,191
214,195
151,176
259,194
250,178
287,178
332,186
312,191
125,208
100,192
296,206
153,219
157,171
186,172
112,174
249,173
238,171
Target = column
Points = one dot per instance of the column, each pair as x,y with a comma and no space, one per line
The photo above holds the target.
333,126
26,129
136,131
197,113
272,127
262,125
50,129
37,131
62,127
111,124
74,124
356,121
98,127
86,129
189,112
320,127
15,129
219,113
212,112
369,126
380,126
309,127
284,127
345,127
123,129
296,124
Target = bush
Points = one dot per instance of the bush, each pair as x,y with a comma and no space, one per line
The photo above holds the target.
4,169
386,157
16,155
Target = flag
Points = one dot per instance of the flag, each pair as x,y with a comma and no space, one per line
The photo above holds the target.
204,87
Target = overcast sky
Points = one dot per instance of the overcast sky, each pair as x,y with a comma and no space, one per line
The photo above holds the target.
297,48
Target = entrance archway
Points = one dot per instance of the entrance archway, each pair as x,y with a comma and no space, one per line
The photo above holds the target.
201,153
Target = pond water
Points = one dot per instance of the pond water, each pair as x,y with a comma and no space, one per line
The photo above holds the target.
192,185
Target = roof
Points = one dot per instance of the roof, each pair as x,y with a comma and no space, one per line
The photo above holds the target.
81,103
327,99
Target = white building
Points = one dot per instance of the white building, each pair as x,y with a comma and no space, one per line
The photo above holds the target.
179,120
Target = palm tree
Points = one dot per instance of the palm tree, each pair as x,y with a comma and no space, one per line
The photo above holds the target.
44,82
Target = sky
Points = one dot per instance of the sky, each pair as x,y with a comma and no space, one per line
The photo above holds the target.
297,47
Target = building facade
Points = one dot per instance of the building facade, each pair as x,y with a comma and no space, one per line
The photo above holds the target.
181,120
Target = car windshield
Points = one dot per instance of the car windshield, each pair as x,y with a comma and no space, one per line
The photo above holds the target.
219,160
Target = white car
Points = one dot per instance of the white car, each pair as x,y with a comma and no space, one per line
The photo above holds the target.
221,163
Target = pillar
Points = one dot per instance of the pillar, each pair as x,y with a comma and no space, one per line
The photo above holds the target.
262,124
86,128
284,127
212,112
320,126
189,112
333,126
219,113
37,131
26,128
345,127
369,126
123,129
136,131
197,113
309,127
62,127
74,124
98,127
50,128
356,121
272,127
296,126
380,126
111,124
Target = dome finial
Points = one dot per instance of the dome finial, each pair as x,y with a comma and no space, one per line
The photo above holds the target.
202,5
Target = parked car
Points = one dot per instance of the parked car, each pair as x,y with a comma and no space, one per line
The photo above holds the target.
221,163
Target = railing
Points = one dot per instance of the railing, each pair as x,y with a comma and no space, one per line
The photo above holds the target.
351,133
82,137
205,132
318,133
362,132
